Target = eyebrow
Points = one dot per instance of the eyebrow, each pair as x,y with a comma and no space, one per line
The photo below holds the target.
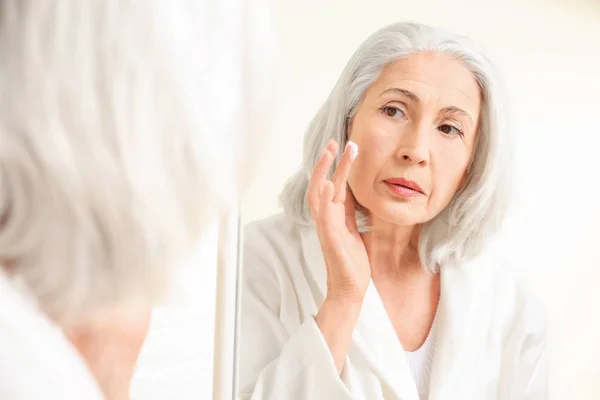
403,92
456,110
413,97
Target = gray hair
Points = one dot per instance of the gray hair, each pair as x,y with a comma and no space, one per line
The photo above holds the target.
103,168
461,231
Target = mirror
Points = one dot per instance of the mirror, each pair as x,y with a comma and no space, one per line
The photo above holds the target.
438,281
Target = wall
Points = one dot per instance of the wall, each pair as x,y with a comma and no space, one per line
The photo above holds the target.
550,55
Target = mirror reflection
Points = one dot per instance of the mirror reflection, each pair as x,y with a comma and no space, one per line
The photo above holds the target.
399,265
374,276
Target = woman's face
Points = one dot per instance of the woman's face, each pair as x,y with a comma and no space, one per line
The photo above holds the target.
416,131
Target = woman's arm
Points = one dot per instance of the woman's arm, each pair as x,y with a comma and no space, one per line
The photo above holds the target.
348,270
275,363
308,364
336,321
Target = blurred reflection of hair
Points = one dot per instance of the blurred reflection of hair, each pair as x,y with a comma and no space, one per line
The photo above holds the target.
103,172
105,180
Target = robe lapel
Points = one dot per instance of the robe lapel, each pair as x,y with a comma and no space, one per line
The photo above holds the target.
374,339
464,321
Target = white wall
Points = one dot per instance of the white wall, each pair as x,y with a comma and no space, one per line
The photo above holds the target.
550,56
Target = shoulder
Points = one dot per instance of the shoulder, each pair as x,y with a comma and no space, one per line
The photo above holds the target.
35,350
272,245
276,229
274,239
519,305
520,325
518,310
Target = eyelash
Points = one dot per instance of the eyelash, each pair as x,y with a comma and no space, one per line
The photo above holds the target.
385,108
459,130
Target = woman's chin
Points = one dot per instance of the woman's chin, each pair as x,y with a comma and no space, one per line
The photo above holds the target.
396,214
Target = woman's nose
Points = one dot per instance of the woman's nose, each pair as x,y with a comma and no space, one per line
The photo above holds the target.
414,146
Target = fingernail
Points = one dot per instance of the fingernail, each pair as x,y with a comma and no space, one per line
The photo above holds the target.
353,147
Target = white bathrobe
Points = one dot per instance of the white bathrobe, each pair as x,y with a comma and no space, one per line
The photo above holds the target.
490,339
36,359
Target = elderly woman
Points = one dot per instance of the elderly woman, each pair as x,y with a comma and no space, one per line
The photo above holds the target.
375,283
106,139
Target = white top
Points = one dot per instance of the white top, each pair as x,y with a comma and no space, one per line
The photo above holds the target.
489,336
36,359
420,361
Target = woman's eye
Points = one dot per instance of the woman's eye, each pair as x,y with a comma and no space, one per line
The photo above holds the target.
450,130
393,112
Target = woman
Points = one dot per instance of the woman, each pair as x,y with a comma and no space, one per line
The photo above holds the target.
374,283
102,189
107,133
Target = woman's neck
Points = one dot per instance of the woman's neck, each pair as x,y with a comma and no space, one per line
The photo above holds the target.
392,248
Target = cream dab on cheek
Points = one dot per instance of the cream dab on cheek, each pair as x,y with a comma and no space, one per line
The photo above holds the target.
352,148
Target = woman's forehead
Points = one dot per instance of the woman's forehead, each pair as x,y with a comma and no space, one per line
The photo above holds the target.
427,76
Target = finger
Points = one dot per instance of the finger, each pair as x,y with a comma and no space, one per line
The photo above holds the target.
323,164
319,176
350,208
326,223
342,172
327,194
332,145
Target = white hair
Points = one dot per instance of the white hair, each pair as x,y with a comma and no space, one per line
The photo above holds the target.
104,180
462,229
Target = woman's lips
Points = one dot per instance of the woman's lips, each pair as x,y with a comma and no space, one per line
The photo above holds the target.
404,187
402,191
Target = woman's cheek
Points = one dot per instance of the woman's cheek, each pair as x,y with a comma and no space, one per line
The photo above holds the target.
379,148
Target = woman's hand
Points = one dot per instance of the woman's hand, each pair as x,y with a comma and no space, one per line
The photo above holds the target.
333,209
111,345
346,259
